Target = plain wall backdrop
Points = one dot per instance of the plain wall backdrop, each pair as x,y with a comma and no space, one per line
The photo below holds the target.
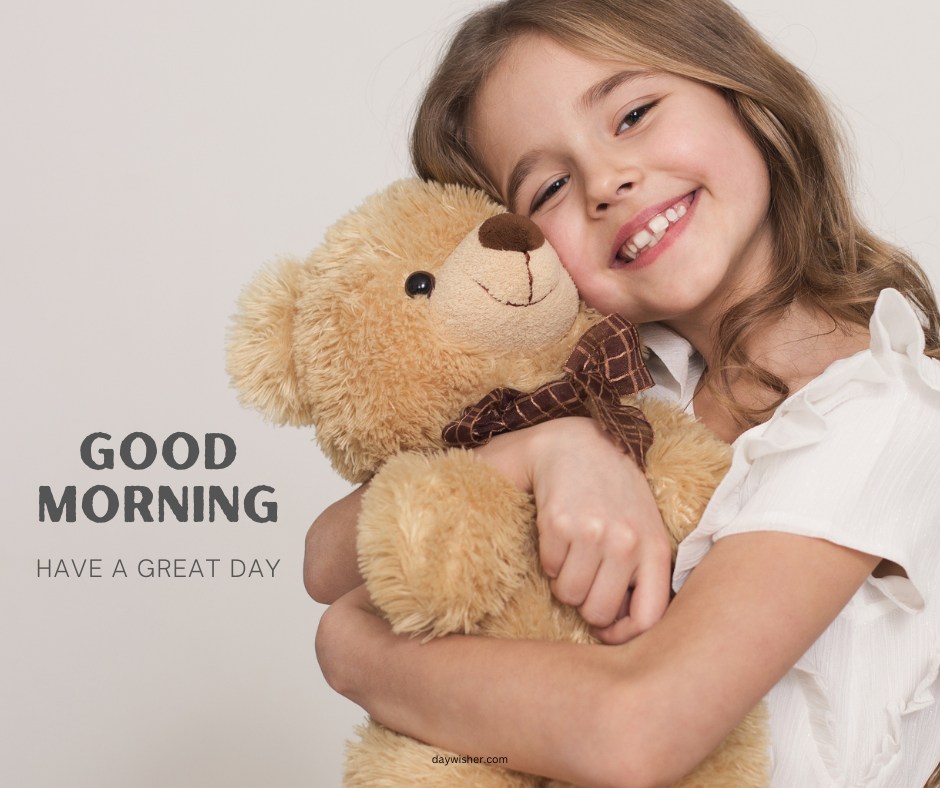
152,156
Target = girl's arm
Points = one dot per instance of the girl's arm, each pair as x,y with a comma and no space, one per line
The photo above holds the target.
330,565
600,532
642,713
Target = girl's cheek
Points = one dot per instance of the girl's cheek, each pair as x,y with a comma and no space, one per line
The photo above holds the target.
568,254
575,259
561,235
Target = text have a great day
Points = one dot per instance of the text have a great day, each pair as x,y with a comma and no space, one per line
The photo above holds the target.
156,568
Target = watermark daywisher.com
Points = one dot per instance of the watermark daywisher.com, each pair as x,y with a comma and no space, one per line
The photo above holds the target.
487,759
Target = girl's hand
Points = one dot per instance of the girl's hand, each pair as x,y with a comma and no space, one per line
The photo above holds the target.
601,538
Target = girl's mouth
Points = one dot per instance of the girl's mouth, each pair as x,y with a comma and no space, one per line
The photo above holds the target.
654,230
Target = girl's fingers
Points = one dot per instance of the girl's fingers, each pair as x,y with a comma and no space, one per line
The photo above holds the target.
648,600
651,595
608,598
577,576
553,551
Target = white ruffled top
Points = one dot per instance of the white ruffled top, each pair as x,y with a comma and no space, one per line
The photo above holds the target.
853,458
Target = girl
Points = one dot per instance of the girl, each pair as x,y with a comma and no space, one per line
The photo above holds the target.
691,177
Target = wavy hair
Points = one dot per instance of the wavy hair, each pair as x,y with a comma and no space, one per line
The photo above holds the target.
824,255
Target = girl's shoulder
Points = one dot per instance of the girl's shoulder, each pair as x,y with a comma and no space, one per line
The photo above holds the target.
849,458
890,383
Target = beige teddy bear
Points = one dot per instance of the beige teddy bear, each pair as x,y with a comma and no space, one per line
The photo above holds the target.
425,301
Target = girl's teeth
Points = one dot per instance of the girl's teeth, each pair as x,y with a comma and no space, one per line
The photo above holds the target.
642,238
658,224
655,229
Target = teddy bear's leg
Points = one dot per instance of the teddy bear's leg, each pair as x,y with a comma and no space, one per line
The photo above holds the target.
741,760
383,758
444,541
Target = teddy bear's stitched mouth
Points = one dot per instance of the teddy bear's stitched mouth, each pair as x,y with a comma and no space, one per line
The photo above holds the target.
512,303
530,302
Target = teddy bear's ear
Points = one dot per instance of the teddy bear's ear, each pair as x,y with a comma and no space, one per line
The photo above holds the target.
260,344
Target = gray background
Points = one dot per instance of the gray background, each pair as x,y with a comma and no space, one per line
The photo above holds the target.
152,156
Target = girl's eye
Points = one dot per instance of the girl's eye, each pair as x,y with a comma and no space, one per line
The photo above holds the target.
634,116
548,192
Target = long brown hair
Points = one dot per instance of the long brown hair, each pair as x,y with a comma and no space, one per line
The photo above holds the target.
934,780
824,255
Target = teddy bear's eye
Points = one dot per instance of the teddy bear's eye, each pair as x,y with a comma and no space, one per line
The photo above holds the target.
420,283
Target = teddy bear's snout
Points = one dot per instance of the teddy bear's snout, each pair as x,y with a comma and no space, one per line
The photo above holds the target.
503,287
510,232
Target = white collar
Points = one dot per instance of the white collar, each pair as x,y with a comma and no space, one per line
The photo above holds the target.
675,365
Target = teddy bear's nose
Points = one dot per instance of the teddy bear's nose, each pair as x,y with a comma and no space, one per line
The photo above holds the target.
510,232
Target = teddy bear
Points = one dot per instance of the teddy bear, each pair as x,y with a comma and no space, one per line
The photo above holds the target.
428,320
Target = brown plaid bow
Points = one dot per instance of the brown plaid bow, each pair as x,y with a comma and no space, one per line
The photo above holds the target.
606,365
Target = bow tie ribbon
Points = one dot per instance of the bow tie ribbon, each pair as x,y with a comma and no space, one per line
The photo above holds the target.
605,366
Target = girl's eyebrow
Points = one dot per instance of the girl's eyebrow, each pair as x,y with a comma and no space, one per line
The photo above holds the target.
600,90
519,173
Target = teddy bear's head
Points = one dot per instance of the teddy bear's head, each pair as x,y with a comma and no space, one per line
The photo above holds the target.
417,303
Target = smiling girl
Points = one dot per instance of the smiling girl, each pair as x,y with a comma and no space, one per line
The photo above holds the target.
690,178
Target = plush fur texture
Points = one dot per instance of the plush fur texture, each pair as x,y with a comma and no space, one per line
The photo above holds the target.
445,543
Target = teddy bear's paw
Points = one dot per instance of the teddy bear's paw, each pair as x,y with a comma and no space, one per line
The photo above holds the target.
443,541
382,758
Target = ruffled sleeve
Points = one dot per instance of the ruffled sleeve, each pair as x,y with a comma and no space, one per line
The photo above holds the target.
851,458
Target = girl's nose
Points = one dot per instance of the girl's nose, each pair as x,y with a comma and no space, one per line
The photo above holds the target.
609,175
605,202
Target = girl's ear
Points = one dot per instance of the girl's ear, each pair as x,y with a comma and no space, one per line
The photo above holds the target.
260,358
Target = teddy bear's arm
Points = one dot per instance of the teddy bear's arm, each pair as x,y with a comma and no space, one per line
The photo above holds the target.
444,541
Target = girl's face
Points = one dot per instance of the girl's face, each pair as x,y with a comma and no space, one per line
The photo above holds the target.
645,183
